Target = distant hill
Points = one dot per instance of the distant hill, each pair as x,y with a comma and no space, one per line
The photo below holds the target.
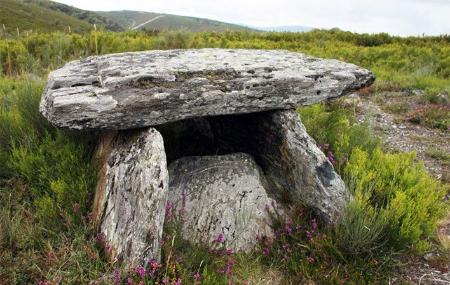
29,15
84,15
143,20
294,29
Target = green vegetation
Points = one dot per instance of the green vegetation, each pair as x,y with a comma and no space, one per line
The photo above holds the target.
130,19
83,15
24,17
47,176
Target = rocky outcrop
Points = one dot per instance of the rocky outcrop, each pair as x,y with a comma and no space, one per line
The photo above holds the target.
222,196
231,135
130,90
132,194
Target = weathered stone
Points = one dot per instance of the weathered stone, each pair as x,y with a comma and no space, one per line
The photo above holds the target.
289,157
132,193
292,161
221,195
130,90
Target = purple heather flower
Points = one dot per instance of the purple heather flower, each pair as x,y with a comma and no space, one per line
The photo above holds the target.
220,238
288,229
229,266
116,276
330,157
314,224
130,281
169,210
101,237
177,282
196,276
140,271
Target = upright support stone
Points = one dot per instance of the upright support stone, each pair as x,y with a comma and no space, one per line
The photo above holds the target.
131,194
294,162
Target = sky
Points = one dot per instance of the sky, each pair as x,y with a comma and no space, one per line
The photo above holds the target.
397,17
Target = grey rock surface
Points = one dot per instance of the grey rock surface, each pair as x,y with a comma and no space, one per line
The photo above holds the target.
289,157
294,162
224,194
130,90
132,194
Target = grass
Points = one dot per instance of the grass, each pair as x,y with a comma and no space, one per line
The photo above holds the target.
439,155
29,16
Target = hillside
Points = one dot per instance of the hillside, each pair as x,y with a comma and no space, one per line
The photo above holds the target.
27,15
84,15
292,29
131,19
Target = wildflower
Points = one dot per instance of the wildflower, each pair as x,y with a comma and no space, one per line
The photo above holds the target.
130,281
169,210
310,259
330,157
101,237
140,271
298,228
51,255
116,276
229,266
76,208
309,235
154,264
288,229
220,238
177,282
229,251
141,282
197,276
165,280
107,247
314,224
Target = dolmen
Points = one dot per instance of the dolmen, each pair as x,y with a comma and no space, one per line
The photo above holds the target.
209,134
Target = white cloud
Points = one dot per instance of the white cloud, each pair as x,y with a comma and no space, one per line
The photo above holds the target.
399,17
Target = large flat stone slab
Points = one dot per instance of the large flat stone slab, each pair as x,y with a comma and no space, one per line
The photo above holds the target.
130,90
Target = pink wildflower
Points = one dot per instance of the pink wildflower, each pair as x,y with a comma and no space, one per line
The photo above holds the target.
116,276
140,271
220,238
310,259
76,208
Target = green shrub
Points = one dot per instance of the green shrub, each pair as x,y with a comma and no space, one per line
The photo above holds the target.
399,190
55,164
336,127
